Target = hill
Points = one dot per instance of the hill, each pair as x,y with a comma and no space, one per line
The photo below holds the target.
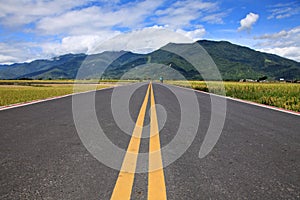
236,62
233,61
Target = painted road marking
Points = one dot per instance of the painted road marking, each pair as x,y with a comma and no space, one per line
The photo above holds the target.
125,179
156,179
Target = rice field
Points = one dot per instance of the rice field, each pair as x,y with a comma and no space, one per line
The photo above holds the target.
282,95
12,94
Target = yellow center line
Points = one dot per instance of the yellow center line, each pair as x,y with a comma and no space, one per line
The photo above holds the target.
156,179
125,179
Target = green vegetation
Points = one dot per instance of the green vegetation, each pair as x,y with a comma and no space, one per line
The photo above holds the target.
282,95
22,93
233,61
59,81
237,62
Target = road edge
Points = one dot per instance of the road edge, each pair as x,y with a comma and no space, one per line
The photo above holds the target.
243,101
17,105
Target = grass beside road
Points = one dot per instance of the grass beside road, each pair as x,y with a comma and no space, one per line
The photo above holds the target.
12,94
281,95
61,81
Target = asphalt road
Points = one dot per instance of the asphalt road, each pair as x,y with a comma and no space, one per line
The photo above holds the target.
256,157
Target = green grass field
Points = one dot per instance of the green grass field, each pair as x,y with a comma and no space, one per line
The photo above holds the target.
91,81
12,94
282,95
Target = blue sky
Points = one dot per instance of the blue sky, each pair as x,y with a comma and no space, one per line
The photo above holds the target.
35,29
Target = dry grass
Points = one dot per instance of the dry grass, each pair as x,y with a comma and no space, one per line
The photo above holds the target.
12,94
282,95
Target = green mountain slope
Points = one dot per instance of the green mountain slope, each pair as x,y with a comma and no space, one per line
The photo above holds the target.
236,62
233,61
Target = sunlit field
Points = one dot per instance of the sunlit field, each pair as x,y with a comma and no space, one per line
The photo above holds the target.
17,94
25,91
282,95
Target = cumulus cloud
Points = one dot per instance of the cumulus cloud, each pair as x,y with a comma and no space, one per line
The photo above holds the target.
4,59
285,43
17,52
75,44
139,41
143,40
195,35
287,52
248,21
24,52
47,28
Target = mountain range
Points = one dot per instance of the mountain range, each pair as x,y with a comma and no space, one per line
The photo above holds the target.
234,62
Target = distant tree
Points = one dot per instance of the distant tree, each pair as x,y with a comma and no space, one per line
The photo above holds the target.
24,78
262,78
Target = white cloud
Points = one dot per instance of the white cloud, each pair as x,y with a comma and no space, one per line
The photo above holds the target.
181,13
285,43
195,35
131,15
248,22
92,19
4,59
284,10
75,44
75,22
74,17
144,40
56,27
28,51
139,41
18,52
18,12
216,18
288,52
280,34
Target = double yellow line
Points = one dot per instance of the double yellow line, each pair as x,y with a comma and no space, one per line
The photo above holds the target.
156,180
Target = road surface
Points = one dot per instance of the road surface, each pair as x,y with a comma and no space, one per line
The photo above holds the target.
42,156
